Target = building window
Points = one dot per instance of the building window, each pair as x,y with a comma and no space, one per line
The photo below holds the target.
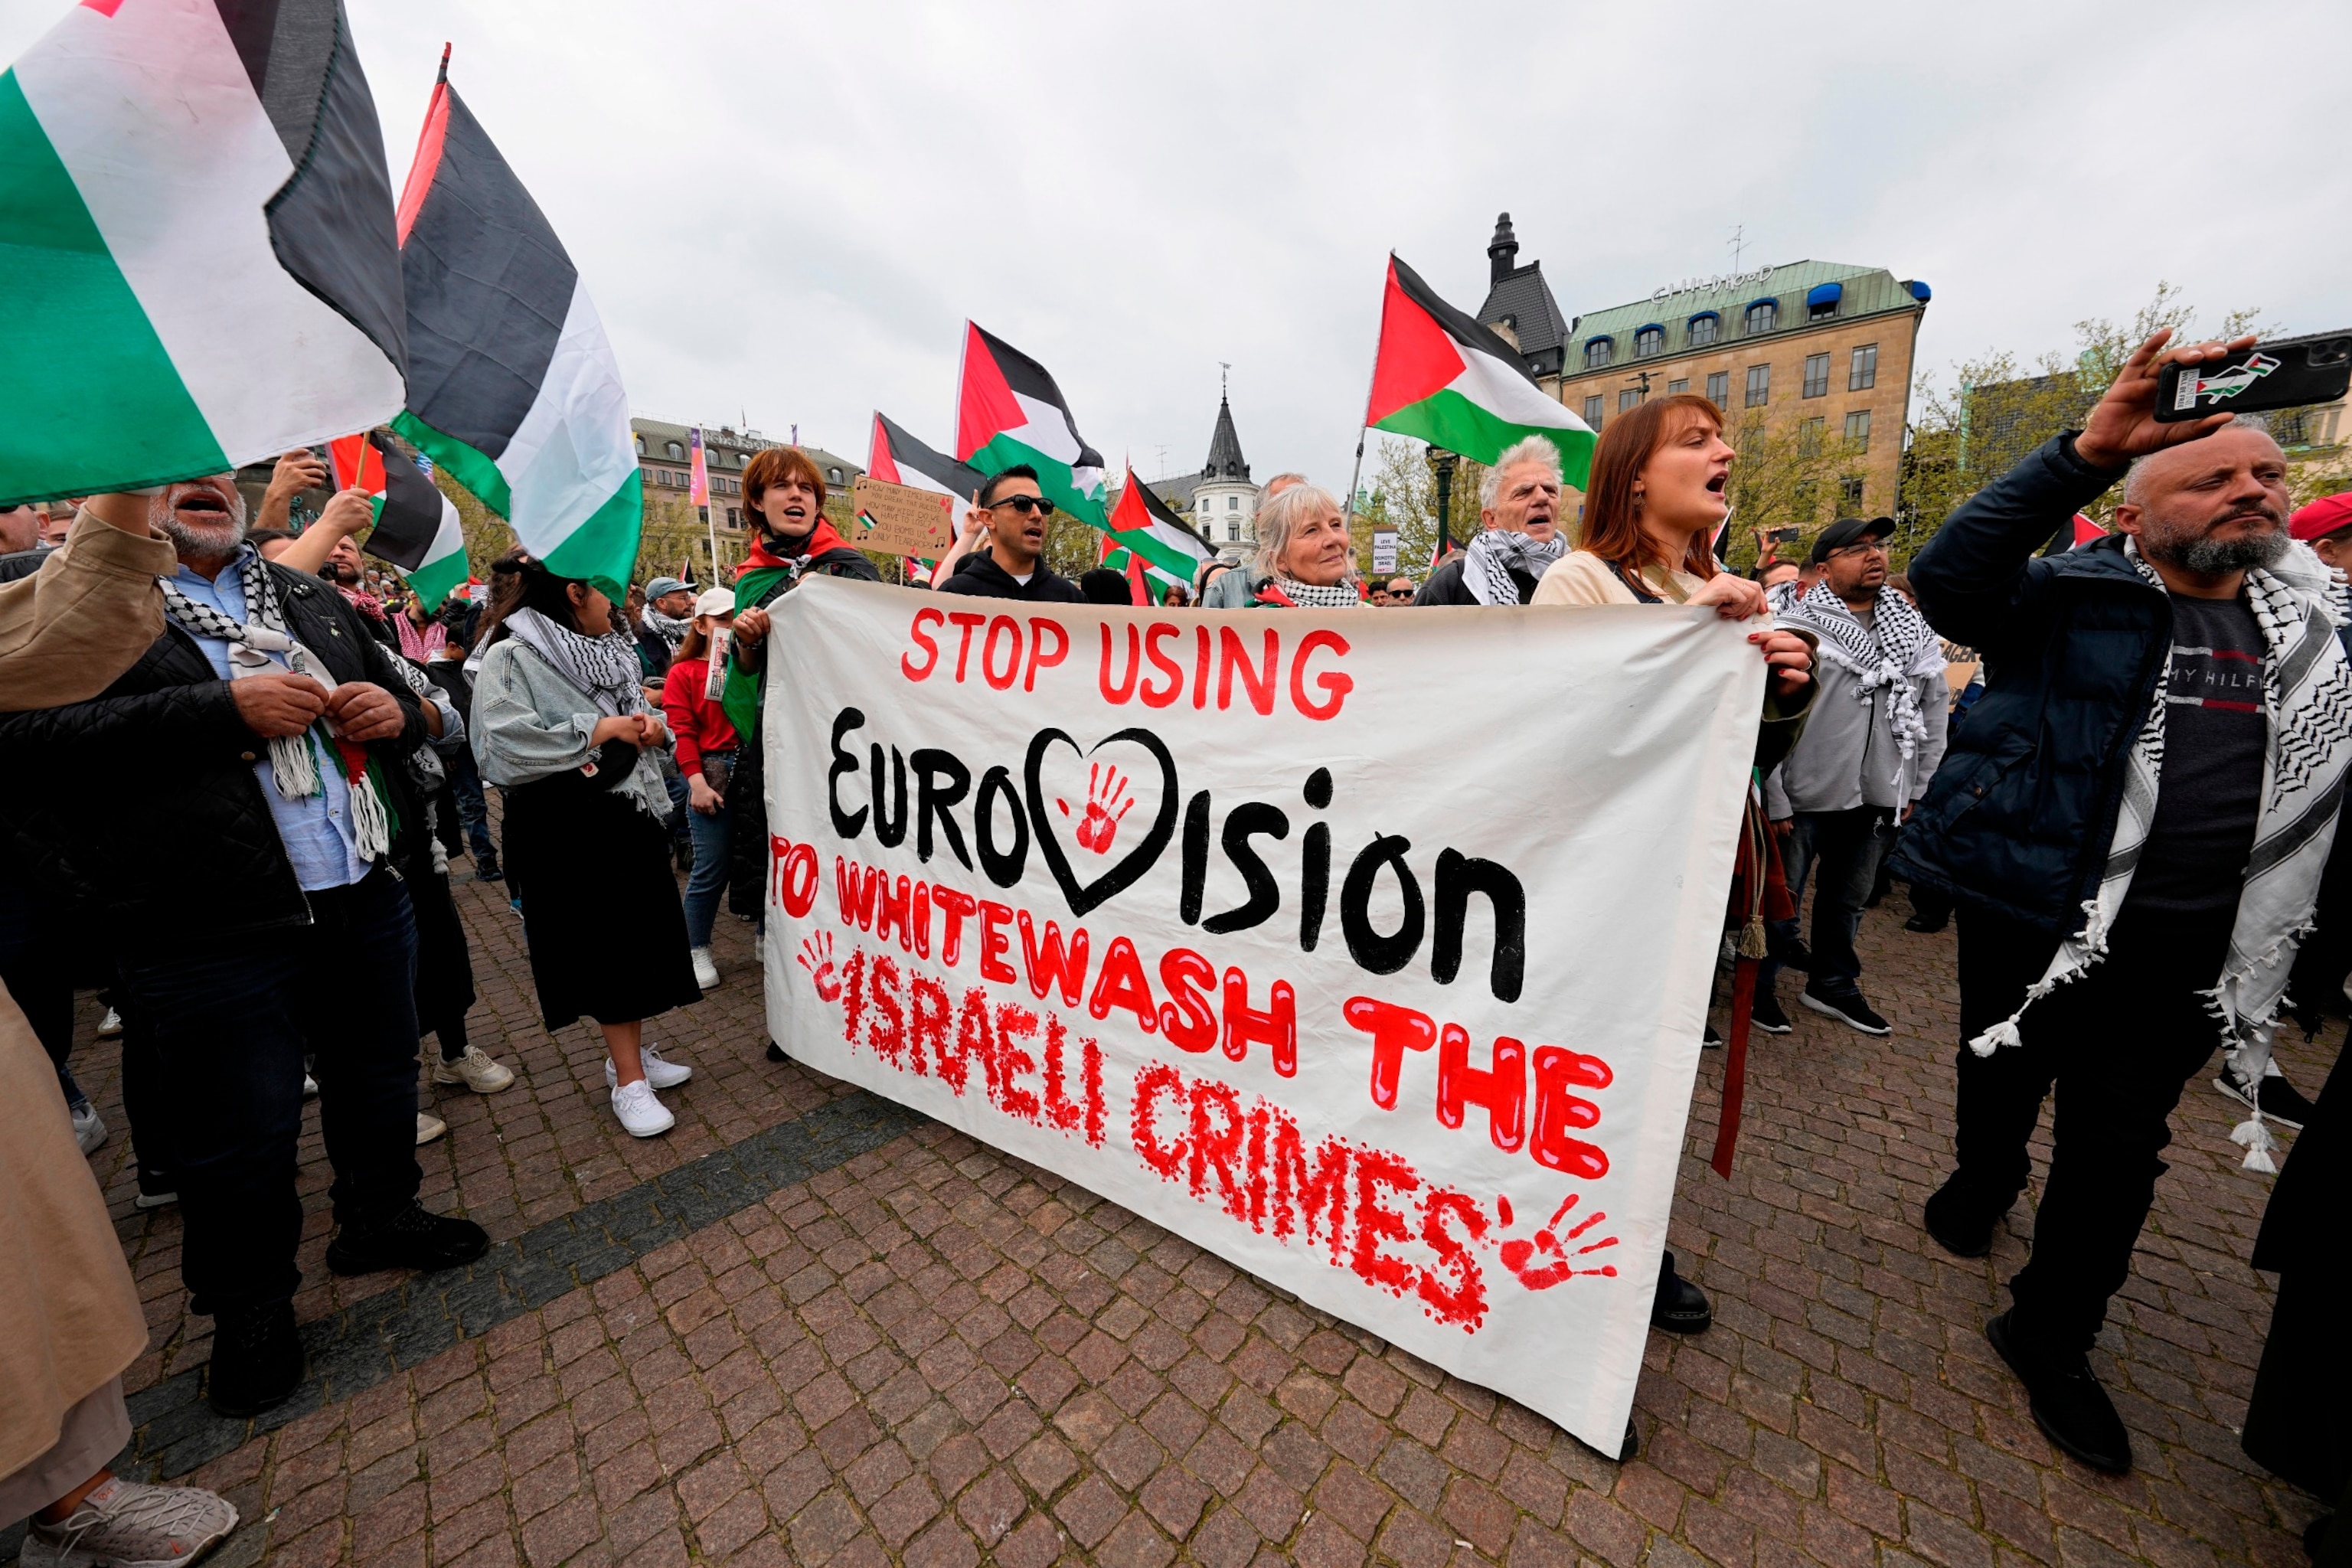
1232,533
734,517
1705,328
1849,494
1676,388
1809,435
835,475
1762,316
1863,373
641,446
1592,411
1759,385
1649,341
1817,375
1857,430
674,451
1629,400
1596,353
1233,503
1718,388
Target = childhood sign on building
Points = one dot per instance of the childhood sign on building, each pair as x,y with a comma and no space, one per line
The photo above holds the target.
1369,953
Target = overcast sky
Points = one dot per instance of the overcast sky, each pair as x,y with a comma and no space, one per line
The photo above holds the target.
787,212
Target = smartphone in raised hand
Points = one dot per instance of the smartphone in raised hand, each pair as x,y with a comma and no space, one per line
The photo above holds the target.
2291,372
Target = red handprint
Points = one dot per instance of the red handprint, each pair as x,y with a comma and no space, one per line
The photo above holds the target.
1106,787
816,957
1520,1255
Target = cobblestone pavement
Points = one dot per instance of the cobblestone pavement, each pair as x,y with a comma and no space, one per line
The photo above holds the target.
920,1351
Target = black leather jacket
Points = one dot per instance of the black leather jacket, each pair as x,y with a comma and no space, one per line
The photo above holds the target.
142,805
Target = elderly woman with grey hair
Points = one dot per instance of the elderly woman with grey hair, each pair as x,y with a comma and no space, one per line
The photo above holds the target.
1306,558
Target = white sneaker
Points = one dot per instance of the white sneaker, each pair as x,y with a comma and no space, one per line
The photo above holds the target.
428,1128
706,969
124,1522
88,1131
110,1026
475,1069
659,1073
640,1112
309,1086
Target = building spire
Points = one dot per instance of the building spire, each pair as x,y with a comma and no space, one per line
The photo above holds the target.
1225,460
1502,251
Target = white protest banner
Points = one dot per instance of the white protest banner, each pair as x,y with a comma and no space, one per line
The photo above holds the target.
1384,549
1369,953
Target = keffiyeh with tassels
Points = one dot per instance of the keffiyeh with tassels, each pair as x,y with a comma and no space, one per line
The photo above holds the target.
2307,750
1898,650
293,759
1488,563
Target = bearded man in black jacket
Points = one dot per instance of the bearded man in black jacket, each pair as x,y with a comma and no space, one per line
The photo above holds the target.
239,824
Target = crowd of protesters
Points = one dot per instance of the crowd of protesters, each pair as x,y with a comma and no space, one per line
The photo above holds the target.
2119,763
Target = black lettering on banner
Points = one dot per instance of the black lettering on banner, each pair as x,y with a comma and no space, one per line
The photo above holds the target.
1004,868
1314,864
1458,877
1196,857
889,828
1085,897
848,824
1246,821
940,781
1372,951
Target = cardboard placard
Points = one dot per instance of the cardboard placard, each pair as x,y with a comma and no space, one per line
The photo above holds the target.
903,520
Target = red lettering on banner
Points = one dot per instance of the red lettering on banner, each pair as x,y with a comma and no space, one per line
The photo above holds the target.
1201,667
887,1035
1277,1028
1050,963
1038,627
1306,1196
970,620
1233,655
993,943
970,1041
1394,1031
852,996
1151,1085
1119,694
988,653
1014,1024
1455,1292
1217,1144
1502,1090
1377,1174
922,640
1186,1017
1164,663
1556,1112
891,909
796,876
1334,684
922,920
955,906
1120,983
930,1014
855,888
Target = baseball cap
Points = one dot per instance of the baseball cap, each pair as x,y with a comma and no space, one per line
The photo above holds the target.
1848,531
660,585
714,601
2327,515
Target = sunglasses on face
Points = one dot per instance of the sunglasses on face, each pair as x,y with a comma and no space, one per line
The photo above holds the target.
1871,547
1024,505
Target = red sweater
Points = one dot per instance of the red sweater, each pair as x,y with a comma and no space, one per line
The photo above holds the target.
696,722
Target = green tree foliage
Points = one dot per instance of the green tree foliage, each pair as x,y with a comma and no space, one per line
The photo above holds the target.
1405,498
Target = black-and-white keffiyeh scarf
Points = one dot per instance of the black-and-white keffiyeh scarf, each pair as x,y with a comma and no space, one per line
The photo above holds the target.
604,669
1900,649
2307,750
293,759
669,628
1487,563
1310,596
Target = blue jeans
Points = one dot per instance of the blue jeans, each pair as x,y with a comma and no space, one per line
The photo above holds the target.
707,883
465,781
227,1023
1847,847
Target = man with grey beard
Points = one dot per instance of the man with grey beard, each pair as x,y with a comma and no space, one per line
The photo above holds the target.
238,822
2135,823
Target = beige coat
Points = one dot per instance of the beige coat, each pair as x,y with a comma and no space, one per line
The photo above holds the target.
71,1311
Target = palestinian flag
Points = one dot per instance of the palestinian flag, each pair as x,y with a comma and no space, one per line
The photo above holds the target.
1145,528
1009,412
512,387
197,260
1454,383
897,459
416,527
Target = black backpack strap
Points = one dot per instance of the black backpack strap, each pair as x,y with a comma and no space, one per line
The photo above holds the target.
1633,585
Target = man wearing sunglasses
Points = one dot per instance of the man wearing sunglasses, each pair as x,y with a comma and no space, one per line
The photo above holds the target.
1014,512
1872,742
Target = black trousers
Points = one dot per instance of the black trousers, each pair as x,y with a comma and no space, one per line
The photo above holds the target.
227,1025
2116,1044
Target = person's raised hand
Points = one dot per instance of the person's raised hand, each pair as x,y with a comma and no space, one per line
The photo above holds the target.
298,470
2123,424
1788,657
1734,598
276,705
365,711
750,625
347,512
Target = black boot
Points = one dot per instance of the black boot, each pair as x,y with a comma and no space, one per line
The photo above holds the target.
2068,1403
409,1240
1960,1220
257,1359
1681,1306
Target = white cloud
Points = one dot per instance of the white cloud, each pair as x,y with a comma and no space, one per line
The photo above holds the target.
788,211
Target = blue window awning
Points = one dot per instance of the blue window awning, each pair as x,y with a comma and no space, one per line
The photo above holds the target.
1821,294
1767,299
1707,316
1919,290
1650,327
1589,341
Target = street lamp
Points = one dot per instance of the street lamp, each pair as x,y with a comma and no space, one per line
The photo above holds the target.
1441,463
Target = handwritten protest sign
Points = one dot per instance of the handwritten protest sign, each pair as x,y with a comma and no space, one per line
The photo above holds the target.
901,520
1369,953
